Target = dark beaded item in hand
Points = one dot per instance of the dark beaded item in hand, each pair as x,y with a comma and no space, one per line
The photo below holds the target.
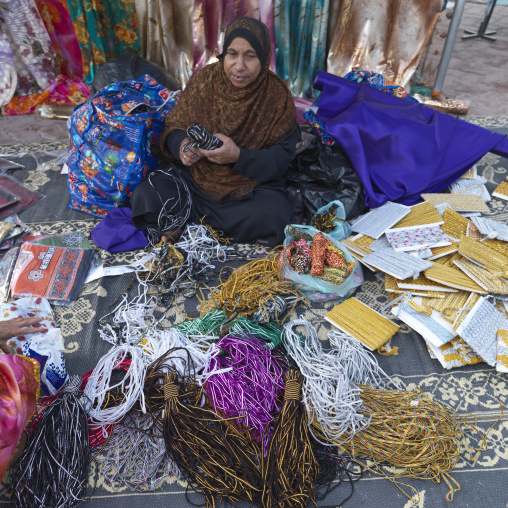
199,137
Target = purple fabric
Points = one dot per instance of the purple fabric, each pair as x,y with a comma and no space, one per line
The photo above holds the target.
117,233
400,149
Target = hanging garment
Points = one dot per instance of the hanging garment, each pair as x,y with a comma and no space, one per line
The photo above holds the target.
300,32
27,59
19,389
211,17
400,149
166,35
386,36
104,29
57,20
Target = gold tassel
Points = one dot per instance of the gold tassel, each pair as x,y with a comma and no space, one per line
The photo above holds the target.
290,468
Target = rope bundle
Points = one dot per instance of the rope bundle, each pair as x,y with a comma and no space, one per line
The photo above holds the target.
248,286
249,390
290,468
208,450
410,431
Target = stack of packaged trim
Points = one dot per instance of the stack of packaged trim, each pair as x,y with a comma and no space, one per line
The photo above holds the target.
446,269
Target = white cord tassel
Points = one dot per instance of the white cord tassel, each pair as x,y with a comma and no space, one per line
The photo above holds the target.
331,398
358,364
131,385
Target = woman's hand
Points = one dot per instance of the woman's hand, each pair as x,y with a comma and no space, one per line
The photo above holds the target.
188,158
17,326
228,153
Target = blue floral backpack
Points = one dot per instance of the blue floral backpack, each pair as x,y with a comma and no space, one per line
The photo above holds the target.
110,138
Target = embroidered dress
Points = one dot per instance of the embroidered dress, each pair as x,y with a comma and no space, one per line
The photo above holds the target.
300,32
55,273
61,91
57,20
27,59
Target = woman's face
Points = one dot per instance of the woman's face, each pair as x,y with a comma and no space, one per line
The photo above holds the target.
241,63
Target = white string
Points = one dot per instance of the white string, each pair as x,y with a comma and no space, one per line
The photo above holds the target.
331,398
201,348
99,383
359,365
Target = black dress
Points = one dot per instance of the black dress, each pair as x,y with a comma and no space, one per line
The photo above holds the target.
259,215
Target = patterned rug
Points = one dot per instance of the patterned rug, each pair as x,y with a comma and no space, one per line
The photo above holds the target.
475,390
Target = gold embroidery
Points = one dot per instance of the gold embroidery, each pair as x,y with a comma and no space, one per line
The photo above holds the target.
423,213
483,255
459,202
453,277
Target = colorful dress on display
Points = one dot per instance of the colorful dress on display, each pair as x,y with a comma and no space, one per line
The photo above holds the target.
104,29
27,59
300,32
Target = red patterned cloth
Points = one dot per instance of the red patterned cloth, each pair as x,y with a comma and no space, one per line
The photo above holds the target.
55,273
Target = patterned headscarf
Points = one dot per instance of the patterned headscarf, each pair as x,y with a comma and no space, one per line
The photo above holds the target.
254,117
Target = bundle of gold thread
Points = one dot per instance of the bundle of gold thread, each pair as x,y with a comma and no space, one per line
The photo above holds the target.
290,468
249,285
411,432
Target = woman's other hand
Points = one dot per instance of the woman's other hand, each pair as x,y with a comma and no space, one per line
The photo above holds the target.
228,153
191,156
17,326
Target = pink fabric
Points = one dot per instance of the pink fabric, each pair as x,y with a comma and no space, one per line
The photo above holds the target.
62,91
19,391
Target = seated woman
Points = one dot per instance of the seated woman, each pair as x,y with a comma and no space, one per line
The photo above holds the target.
239,187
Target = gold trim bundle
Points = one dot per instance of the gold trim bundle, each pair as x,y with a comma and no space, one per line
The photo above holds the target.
361,322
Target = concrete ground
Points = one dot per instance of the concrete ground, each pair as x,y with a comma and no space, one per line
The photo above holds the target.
478,72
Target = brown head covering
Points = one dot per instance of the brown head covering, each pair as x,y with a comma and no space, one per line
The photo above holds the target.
254,117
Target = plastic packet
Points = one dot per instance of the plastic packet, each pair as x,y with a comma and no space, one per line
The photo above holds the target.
48,160
315,289
47,349
7,263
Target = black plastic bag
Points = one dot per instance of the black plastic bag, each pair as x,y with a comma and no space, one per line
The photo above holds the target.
128,66
324,173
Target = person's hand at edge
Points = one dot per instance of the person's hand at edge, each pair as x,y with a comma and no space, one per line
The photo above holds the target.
17,326
188,158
